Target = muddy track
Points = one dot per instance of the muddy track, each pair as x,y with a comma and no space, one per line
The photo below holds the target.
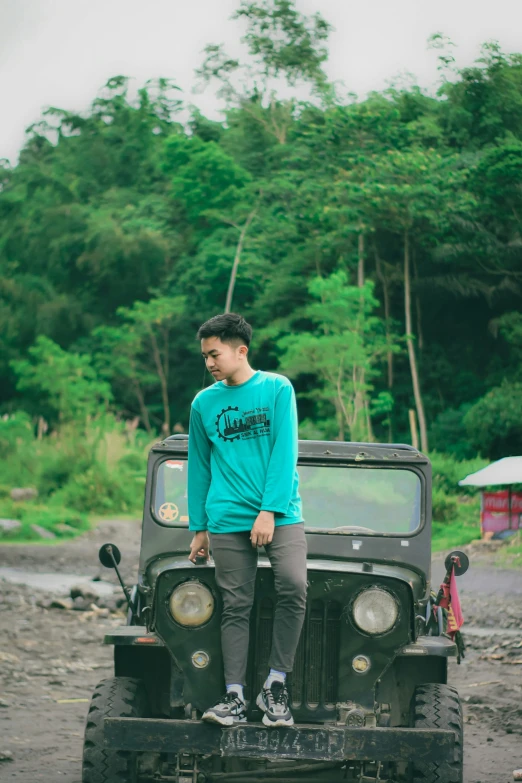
50,658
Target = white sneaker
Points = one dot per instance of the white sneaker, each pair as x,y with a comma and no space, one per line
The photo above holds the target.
273,702
227,711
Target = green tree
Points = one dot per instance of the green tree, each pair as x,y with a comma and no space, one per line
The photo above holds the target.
212,189
122,205
284,48
484,104
152,323
343,349
116,352
410,194
67,381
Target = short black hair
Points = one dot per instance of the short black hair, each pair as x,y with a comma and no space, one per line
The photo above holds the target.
229,327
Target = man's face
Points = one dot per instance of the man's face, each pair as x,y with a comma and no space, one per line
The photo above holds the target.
223,360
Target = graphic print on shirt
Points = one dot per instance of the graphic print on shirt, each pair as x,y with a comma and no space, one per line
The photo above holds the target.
230,425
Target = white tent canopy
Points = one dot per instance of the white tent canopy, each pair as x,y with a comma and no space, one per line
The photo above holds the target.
505,471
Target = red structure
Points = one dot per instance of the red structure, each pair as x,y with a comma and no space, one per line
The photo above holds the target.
501,510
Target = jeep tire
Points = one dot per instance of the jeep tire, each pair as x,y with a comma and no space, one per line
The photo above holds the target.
438,707
117,697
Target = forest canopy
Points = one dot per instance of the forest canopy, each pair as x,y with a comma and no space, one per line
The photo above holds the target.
374,244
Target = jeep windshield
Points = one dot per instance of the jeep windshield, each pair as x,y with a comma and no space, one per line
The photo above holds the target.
360,500
343,499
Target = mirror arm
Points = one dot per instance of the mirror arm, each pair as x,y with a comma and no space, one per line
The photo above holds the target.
110,552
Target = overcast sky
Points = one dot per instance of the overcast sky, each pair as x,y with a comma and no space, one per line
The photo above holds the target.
60,52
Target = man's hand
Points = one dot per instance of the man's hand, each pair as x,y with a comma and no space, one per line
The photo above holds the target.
263,530
199,545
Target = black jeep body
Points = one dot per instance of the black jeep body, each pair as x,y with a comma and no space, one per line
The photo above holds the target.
368,704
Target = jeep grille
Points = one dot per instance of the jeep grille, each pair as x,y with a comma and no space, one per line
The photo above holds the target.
314,681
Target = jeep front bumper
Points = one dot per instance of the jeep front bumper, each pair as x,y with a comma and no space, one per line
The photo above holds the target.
321,743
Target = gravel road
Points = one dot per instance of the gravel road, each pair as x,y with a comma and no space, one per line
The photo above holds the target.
51,658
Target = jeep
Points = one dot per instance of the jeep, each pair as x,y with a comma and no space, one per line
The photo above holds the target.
369,688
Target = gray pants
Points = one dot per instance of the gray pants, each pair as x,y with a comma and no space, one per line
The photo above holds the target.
236,566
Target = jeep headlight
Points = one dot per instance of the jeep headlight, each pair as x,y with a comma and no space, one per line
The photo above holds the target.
191,604
375,611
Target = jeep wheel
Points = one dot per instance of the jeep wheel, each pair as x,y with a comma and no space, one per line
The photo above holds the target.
438,707
117,697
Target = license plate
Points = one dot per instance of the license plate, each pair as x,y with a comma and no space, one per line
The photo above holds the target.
281,743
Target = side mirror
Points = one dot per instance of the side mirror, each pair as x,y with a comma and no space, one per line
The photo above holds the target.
459,560
109,555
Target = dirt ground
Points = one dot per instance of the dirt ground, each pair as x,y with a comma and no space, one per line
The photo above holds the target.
51,658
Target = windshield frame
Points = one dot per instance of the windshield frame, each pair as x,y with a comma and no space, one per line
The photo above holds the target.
328,463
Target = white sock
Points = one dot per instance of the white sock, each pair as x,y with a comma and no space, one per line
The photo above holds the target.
237,689
274,676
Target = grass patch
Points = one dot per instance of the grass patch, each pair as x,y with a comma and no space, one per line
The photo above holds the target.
461,529
62,522
452,536
456,510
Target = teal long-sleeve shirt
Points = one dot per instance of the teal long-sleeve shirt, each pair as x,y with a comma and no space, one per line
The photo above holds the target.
243,455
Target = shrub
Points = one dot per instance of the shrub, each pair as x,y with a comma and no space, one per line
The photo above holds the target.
462,528
494,423
133,462
61,466
321,429
444,506
101,471
100,490
14,430
448,471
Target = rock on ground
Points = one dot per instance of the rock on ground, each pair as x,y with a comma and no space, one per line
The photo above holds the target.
23,493
10,525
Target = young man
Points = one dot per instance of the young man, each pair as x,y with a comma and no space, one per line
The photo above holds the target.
243,490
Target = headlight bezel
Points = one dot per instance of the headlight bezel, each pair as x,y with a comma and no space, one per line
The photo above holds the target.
387,592
179,586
